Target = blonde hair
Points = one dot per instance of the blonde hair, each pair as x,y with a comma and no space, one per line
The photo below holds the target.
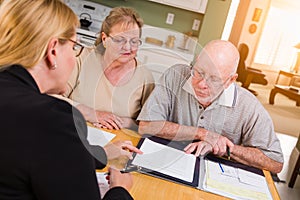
126,15
27,26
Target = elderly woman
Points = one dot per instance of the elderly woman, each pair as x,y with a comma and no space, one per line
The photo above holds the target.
108,85
43,148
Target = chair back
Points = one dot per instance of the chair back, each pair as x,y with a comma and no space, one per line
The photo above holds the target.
241,70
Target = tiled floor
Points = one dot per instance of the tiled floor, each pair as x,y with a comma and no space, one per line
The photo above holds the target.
290,154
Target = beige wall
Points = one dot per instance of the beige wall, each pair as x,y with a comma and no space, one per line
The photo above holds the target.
243,22
246,36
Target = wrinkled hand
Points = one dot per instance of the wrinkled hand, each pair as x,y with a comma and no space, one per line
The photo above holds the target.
200,148
108,120
101,119
117,179
120,148
126,122
218,142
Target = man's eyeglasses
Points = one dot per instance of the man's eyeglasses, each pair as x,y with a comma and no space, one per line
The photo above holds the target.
134,42
77,47
211,80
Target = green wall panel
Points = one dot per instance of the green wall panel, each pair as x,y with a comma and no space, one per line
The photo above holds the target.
155,14
212,22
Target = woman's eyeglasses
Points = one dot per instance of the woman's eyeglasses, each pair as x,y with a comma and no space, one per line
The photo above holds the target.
77,47
134,42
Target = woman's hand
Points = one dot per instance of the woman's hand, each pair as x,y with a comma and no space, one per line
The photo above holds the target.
101,119
108,120
117,179
120,148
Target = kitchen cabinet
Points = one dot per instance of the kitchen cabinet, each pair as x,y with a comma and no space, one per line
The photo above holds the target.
158,59
192,5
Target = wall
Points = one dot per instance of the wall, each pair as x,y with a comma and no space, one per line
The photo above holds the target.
214,20
212,23
238,23
155,14
252,39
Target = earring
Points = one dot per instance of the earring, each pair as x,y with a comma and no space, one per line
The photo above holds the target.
54,66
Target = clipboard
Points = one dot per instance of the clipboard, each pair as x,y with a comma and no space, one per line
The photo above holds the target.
200,173
172,144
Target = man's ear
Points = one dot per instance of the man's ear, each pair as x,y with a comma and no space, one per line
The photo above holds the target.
52,52
231,80
234,77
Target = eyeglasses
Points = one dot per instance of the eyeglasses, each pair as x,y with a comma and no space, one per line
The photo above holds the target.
211,80
78,48
134,42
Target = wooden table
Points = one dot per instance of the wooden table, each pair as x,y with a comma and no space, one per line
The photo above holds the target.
286,91
147,187
284,88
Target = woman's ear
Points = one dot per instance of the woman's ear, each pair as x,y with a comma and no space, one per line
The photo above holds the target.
52,53
103,38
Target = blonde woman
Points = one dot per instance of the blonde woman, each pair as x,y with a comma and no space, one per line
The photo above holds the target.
43,148
108,85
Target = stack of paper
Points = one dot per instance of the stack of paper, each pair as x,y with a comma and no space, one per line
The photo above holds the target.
166,160
102,183
234,182
99,137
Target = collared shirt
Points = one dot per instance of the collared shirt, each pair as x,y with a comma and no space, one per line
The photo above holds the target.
235,114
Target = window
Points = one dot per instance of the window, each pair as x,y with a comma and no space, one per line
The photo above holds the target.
280,34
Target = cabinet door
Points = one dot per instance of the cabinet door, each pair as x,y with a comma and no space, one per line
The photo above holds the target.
193,5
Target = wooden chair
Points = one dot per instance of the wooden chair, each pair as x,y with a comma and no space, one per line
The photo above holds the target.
296,170
247,75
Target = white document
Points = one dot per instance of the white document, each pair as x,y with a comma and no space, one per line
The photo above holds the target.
102,183
234,182
166,160
99,137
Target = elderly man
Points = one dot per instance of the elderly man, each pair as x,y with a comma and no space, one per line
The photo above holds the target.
204,103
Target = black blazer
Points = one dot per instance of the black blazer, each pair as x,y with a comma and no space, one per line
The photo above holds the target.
44,153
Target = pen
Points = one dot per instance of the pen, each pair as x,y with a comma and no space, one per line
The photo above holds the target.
221,168
228,153
127,170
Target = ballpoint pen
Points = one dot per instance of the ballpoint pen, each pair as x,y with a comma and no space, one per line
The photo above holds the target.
221,168
127,170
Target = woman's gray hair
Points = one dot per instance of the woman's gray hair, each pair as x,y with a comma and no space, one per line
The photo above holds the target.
125,15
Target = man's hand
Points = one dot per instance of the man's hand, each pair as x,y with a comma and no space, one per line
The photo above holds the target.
200,148
120,148
219,143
